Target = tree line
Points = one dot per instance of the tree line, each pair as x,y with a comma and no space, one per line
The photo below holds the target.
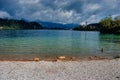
18,24
107,25
90,27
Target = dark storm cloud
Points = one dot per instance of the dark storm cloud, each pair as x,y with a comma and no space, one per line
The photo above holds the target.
76,5
65,11
9,5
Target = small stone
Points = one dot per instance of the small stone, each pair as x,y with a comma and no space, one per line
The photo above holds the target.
96,57
61,57
117,56
91,58
118,77
73,58
36,59
58,60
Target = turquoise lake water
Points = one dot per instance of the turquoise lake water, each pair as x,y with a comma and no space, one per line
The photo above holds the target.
27,44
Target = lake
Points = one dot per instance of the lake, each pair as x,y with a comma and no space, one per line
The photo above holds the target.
27,44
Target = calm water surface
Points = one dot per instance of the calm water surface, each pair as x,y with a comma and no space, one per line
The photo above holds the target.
27,44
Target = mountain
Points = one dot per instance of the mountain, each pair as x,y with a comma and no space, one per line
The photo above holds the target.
18,24
72,25
26,24
51,25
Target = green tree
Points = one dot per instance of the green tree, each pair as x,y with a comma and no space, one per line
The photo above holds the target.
107,25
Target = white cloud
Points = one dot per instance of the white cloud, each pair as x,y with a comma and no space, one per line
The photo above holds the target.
94,7
66,14
29,1
92,19
4,14
65,11
91,7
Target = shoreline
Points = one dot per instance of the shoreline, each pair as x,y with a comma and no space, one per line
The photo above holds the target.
55,59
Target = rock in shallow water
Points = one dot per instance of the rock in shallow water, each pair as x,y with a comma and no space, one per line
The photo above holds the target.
36,59
61,57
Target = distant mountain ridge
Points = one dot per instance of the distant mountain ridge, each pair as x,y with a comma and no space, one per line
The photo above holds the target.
36,24
51,25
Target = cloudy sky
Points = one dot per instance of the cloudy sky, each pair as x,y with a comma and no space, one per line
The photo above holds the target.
62,11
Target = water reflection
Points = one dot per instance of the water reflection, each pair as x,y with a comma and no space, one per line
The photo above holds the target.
111,43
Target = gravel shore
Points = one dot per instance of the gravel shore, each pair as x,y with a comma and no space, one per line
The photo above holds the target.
60,70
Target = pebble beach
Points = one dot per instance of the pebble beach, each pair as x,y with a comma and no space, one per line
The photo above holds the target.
60,70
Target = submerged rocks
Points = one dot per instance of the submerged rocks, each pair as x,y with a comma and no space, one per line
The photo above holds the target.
117,56
96,58
74,58
70,58
36,59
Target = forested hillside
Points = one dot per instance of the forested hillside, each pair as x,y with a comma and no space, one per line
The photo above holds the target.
18,24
